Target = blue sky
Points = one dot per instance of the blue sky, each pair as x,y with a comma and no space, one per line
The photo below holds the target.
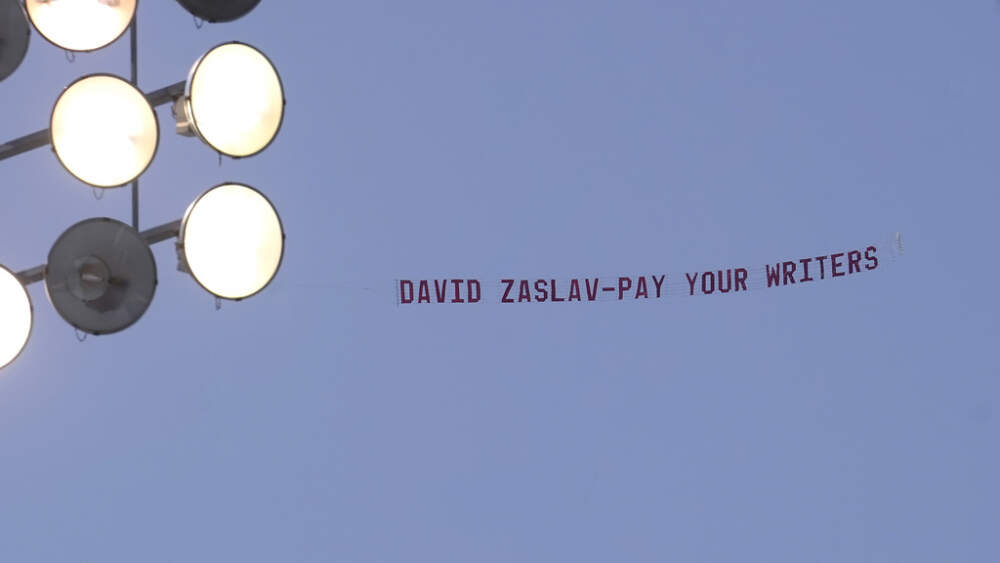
849,420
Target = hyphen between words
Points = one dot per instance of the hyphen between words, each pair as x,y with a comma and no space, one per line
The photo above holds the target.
730,280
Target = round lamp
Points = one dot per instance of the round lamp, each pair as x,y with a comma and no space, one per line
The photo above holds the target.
14,35
215,11
234,100
104,131
81,25
100,275
16,316
232,241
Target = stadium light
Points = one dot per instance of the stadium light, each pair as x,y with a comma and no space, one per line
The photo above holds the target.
231,241
216,11
14,35
16,316
234,100
81,25
104,130
100,276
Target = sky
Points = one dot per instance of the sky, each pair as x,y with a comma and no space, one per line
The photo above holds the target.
852,419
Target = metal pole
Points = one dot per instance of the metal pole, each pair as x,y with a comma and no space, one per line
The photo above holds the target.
135,82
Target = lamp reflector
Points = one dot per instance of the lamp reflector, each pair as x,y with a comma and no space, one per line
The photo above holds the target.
81,25
15,316
104,131
232,241
14,35
100,275
215,11
235,100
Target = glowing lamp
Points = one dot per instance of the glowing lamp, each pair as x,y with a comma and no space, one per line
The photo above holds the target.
81,25
231,241
16,316
104,131
214,11
234,100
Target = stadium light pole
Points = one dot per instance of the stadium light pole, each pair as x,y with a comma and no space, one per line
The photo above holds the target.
100,274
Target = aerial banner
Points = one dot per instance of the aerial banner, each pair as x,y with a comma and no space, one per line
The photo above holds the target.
653,285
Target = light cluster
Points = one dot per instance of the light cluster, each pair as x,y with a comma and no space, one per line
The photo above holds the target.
100,275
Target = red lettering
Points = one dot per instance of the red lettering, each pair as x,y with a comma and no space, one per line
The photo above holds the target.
659,284
541,293
729,281
691,280
640,288
853,262
468,291
805,269
704,288
822,271
624,284
591,291
439,290
773,276
524,292
458,286
506,291
552,284
574,289
871,258
834,265
405,285
741,279
423,292
789,271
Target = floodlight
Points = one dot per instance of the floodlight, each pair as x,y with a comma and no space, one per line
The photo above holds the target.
234,100
81,25
14,35
16,315
100,275
231,241
104,131
215,11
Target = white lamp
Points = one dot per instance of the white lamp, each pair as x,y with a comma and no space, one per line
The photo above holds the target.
214,11
14,36
16,315
104,131
234,100
81,25
232,241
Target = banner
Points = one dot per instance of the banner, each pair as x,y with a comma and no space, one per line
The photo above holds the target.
650,285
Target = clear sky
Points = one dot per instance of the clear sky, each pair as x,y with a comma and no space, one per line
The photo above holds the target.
850,420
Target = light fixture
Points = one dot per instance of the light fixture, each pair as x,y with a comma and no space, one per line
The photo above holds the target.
104,131
100,275
215,11
81,25
14,35
234,100
16,314
231,241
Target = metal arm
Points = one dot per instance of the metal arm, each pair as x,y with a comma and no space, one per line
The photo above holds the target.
41,138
